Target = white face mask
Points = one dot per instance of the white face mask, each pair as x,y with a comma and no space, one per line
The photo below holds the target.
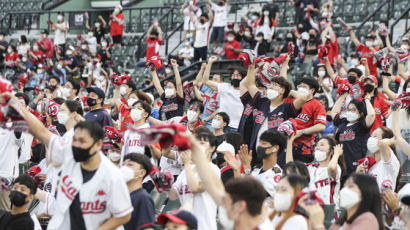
369,43
372,144
90,34
24,59
62,118
66,92
271,94
226,223
247,34
127,173
9,50
376,43
96,24
266,13
59,66
114,156
303,91
216,124
39,71
321,73
192,116
35,48
168,71
98,65
230,39
131,101
348,198
116,11
403,47
59,18
123,90
104,44
282,201
187,44
320,155
354,62
83,47
136,114
254,17
324,14
68,52
351,116
169,92
258,39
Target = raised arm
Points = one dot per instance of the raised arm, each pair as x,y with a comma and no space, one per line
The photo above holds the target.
338,105
371,114
332,166
211,84
104,23
249,82
386,88
401,142
353,36
211,14
180,90
289,149
160,33
199,76
329,70
194,184
157,83
385,150
284,68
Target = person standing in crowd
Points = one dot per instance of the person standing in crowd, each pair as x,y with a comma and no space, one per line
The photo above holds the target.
221,20
23,47
138,167
95,101
229,95
72,63
99,28
202,26
61,28
117,26
189,27
46,45
154,41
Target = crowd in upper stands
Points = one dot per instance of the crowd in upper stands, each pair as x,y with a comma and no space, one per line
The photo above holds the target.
84,147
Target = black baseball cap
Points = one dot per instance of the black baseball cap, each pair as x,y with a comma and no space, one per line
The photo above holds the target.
45,31
179,217
100,93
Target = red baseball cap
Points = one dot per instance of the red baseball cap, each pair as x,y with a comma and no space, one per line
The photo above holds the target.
179,217
373,78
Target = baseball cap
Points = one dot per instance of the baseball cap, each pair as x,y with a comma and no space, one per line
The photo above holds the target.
179,217
100,93
226,147
372,77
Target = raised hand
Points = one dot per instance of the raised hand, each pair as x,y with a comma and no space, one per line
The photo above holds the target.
245,156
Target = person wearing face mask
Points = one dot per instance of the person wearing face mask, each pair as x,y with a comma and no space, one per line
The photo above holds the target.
189,27
353,130
23,47
154,41
172,97
252,20
247,38
326,82
229,95
271,143
132,140
227,171
69,115
91,42
99,28
366,50
361,199
311,120
71,90
221,20
60,28
25,65
3,46
260,46
104,51
219,122
72,63
135,169
124,107
232,47
186,53
36,54
284,216
202,26
95,101
21,194
60,72
356,63
387,169
12,58
266,25
192,120
188,189
326,174
117,26
46,44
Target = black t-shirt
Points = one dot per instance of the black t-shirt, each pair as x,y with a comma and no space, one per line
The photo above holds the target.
99,34
312,46
3,52
172,107
143,215
72,62
76,215
226,174
21,221
219,139
102,52
354,140
60,127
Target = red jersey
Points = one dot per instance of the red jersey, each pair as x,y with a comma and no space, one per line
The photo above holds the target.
11,59
312,113
47,43
333,51
125,116
117,27
381,108
39,54
153,48
367,53
230,54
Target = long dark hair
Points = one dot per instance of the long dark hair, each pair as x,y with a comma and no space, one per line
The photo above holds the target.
371,199
332,143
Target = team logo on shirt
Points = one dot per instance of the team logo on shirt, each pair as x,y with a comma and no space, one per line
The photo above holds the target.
277,178
248,110
184,190
323,183
100,193
93,207
170,107
134,142
347,136
303,117
66,187
377,110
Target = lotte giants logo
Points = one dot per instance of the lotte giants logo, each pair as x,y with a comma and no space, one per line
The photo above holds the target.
93,207
66,187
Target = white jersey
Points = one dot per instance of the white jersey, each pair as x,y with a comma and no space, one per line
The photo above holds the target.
201,34
295,222
9,165
60,36
269,178
175,167
132,142
386,173
327,187
104,196
203,206
37,225
188,25
230,103
25,145
221,14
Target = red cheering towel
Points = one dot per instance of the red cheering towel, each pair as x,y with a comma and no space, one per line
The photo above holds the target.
367,162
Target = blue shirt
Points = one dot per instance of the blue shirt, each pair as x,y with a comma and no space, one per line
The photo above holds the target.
143,215
99,115
61,75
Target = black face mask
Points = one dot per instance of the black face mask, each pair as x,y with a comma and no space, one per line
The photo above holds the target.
261,152
368,88
147,82
221,3
81,155
91,101
235,82
311,36
351,79
219,159
152,38
202,21
289,39
17,198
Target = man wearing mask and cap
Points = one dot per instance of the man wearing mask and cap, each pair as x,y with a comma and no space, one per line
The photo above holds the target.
117,26
95,101
61,28
87,177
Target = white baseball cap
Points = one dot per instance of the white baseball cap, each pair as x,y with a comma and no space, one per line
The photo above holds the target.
226,147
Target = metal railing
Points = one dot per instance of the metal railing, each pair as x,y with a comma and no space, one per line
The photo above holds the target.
376,11
405,15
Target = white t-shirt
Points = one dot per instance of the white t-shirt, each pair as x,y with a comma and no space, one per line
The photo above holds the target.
329,83
25,144
265,29
220,15
23,48
269,178
203,206
201,34
188,25
327,187
187,52
92,44
295,222
264,126
9,167
132,143
230,103
60,36
386,173
175,167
